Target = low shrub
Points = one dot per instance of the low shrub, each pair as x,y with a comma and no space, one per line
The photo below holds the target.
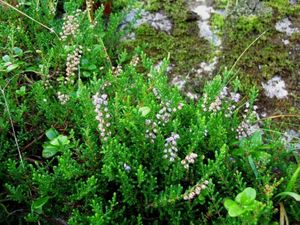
91,134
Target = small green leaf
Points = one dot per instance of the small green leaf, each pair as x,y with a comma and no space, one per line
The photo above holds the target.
21,91
38,204
256,139
51,133
262,156
291,194
293,180
86,74
98,48
60,140
201,199
6,58
55,142
49,150
7,63
18,51
85,62
11,67
63,140
92,67
233,208
140,175
253,166
246,197
144,111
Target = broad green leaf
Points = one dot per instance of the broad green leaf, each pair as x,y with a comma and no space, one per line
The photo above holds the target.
86,74
233,208
92,67
59,141
55,142
21,91
144,111
253,167
37,204
11,67
246,197
201,199
85,62
18,51
7,63
291,194
51,133
6,58
63,140
293,180
256,139
49,150
262,156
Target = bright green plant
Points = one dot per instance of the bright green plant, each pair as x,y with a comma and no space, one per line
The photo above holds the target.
57,143
102,137
244,205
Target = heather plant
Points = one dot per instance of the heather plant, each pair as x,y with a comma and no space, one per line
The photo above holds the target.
94,134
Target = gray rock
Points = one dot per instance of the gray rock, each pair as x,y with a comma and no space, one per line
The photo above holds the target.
291,139
293,2
250,7
158,20
204,10
286,26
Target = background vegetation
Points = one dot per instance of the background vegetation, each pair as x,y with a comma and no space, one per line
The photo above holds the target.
92,133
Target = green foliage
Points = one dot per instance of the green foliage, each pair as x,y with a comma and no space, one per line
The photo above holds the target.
111,141
56,144
293,181
291,194
244,203
284,7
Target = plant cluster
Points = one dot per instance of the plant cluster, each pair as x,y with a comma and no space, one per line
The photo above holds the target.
92,134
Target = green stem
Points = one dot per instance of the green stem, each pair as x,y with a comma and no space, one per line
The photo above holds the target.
12,127
249,46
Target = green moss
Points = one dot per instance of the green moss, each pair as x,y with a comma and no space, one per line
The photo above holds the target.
185,46
268,57
186,50
265,59
217,22
221,4
152,5
283,7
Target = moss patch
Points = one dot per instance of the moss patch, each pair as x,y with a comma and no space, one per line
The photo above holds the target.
268,57
186,49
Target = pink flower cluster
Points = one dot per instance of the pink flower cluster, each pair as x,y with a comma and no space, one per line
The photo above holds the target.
170,151
100,102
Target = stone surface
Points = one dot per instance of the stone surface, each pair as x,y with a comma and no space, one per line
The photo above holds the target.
250,7
275,88
291,139
286,26
293,2
204,10
158,20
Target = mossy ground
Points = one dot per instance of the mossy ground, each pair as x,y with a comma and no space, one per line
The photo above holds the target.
267,58
185,47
